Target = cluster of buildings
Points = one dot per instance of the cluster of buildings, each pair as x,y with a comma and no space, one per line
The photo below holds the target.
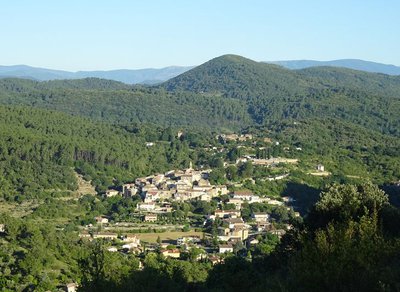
235,137
267,161
158,190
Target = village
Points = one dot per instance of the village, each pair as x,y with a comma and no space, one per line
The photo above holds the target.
222,232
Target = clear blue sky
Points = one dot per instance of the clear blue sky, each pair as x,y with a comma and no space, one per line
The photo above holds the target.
105,34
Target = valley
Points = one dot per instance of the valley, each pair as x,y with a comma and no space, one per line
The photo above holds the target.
233,169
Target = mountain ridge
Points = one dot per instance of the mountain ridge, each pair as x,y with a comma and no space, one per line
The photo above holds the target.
152,76
128,76
356,64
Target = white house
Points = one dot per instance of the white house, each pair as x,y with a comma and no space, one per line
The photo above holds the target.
260,217
223,248
146,206
243,195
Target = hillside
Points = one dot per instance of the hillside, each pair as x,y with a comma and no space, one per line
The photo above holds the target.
273,93
355,64
116,102
227,93
46,146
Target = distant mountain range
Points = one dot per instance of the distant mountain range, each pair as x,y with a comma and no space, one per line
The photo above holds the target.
155,76
140,76
345,63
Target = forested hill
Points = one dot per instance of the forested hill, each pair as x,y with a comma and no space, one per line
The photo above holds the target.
116,102
227,93
40,148
273,93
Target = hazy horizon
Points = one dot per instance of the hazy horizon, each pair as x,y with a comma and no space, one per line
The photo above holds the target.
86,36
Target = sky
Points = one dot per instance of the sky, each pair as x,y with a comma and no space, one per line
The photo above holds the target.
103,35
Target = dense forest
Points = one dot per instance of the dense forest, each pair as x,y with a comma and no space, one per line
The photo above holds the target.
40,149
273,93
226,93
114,102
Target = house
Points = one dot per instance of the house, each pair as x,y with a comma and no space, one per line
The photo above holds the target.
275,202
71,287
149,144
2,228
182,185
187,178
105,235
236,202
148,188
241,232
188,239
320,168
227,213
165,194
260,217
150,218
225,248
172,253
151,196
234,222
130,246
132,238
244,195
205,197
129,190
111,193
101,220
112,249
146,206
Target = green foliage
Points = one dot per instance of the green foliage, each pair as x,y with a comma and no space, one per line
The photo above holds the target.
330,260
274,94
118,103
45,146
344,202
36,256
